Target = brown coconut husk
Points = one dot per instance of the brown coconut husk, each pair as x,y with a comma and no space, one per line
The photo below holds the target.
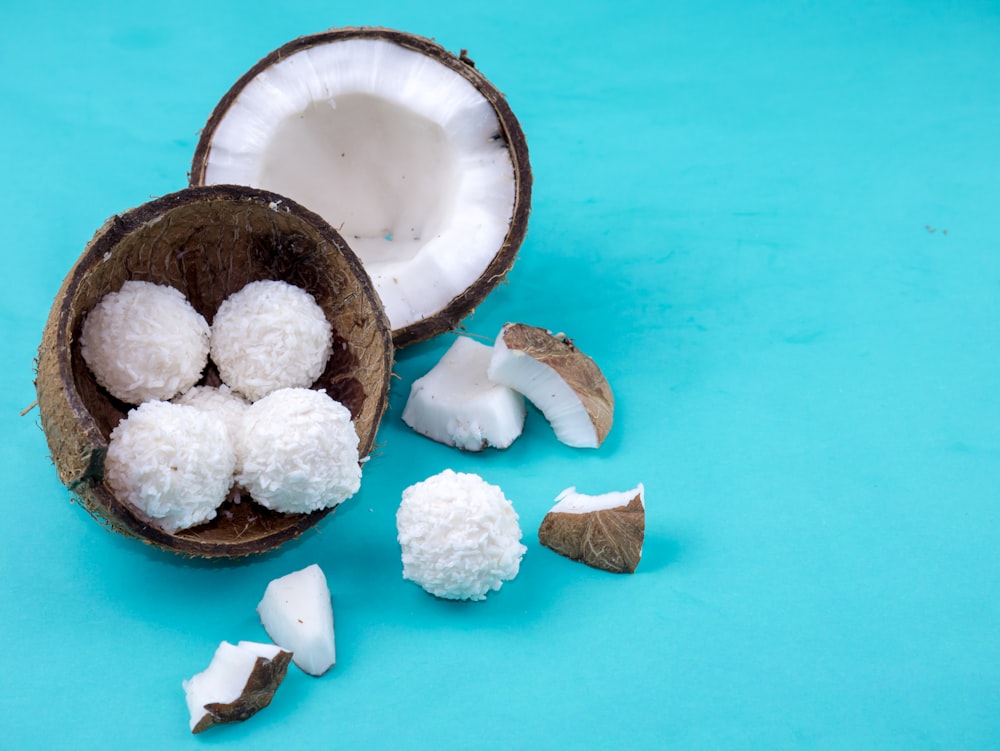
609,539
208,243
510,133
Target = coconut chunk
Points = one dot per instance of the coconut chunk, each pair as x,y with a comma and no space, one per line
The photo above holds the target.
559,379
297,613
459,536
407,149
456,404
604,531
239,682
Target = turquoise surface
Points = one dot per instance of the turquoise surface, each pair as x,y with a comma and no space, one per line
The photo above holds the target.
774,226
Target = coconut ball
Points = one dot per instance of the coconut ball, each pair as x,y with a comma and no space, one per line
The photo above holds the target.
298,451
459,536
221,401
145,342
172,462
270,335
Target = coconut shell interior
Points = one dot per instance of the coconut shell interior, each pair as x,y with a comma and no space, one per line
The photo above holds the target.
208,243
510,132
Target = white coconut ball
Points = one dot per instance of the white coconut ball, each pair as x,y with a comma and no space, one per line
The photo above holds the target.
221,401
172,462
145,342
298,451
459,536
268,336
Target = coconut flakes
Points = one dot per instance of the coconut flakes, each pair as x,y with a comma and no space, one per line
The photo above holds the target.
298,451
459,536
145,342
268,336
221,401
172,463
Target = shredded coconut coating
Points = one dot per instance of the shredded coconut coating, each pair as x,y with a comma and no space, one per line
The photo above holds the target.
268,336
145,342
222,402
459,536
171,462
298,451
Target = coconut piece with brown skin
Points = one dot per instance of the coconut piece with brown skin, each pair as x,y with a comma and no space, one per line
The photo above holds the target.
407,149
207,243
559,379
239,682
604,531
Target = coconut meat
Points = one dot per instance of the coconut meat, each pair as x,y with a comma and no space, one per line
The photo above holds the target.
547,390
571,502
227,681
399,153
457,404
297,613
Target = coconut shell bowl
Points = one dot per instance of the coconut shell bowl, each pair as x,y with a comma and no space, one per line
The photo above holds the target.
207,242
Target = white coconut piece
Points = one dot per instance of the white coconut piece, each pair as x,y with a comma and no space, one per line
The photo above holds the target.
220,401
604,531
145,342
297,613
455,403
172,463
270,335
298,452
240,681
459,536
404,148
566,385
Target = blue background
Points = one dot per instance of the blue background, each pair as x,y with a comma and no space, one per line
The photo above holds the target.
775,226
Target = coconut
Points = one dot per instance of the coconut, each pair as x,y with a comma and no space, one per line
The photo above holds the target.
239,682
207,243
403,146
456,404
297,613
559,379
604,531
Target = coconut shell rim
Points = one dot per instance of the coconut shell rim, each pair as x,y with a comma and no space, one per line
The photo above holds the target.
448,317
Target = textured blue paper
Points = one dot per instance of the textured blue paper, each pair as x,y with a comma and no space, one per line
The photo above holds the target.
775,227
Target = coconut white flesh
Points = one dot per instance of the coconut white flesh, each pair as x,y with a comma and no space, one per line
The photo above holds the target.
297,613
226,677
547,390
394,149
571,502
457,404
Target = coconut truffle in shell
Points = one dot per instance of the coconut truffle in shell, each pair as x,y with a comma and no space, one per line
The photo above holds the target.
298,452
220,401
145,342
171,462
459,536
268,336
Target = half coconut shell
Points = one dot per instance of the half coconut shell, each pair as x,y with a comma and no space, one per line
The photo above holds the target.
355,96
208,243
